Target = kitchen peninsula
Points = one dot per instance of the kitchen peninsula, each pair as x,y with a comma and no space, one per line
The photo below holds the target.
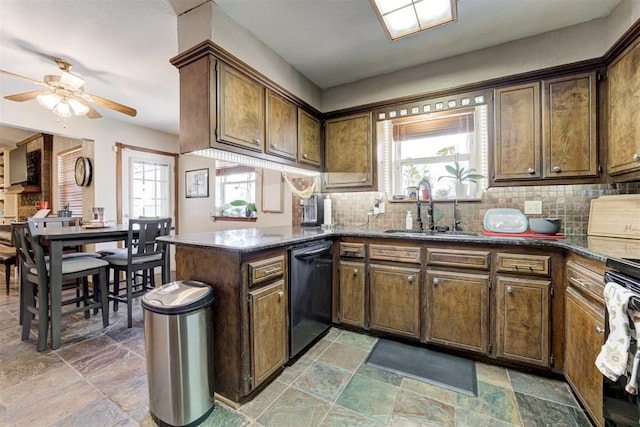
515,288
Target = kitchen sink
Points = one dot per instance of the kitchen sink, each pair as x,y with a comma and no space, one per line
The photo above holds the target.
434,233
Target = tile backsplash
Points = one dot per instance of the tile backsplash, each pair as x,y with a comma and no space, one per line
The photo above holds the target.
570,203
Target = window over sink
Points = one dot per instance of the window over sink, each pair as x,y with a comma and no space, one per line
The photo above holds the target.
235,190
433,145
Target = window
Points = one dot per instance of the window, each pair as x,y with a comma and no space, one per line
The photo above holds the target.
424,146
150,188
235,190
68,191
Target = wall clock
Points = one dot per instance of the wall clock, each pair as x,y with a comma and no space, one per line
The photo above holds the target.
83,171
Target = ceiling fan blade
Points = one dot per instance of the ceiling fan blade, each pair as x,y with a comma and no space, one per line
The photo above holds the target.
26,96
110,104
22,77
93,114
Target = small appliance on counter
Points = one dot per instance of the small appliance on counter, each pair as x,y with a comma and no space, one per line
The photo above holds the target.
313,211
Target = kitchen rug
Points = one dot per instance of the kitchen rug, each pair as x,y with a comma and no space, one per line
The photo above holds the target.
440,369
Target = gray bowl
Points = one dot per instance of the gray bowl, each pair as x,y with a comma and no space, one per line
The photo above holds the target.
545,225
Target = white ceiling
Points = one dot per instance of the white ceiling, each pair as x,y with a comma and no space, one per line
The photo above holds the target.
122,47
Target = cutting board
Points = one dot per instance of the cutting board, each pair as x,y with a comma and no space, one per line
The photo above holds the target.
615,216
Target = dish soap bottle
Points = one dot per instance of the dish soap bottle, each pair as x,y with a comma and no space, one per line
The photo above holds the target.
409,221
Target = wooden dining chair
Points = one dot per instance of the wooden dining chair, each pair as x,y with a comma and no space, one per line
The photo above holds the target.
144,253
34,283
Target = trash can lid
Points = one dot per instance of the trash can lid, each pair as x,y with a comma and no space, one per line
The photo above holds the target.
178,297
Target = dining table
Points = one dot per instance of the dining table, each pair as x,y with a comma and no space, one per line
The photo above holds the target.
56,239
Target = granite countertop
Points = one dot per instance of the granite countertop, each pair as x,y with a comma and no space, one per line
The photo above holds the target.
255,239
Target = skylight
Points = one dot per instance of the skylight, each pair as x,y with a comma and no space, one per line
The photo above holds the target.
401,18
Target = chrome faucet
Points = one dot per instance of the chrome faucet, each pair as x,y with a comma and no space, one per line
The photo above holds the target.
430,224
456,221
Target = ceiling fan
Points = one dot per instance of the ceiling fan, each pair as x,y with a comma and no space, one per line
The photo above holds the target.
65,95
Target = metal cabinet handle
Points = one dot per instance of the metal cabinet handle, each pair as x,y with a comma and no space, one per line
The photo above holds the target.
273,146
411,278
280,295
556,169
436,281
355,271
635,157
257,141
365,179
531,171
304,156
599,330
510,289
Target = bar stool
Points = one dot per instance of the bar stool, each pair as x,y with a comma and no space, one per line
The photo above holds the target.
143,254
34,282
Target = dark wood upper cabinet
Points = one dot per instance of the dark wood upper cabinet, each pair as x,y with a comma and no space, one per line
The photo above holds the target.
517,133
569,122
546,130
624,114
241,118
309,139
349,161
282,138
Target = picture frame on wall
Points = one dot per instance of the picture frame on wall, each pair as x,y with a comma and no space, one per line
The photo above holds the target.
272,192
196,183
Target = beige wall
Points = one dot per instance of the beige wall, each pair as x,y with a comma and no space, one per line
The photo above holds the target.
195,213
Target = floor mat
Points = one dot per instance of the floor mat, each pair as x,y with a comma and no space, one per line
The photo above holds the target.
440,369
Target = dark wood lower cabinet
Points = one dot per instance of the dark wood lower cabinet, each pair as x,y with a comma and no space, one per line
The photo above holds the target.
584,336
268,330
352,297
458,310
395,299
522,320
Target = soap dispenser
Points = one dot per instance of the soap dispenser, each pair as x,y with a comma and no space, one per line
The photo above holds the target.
409,221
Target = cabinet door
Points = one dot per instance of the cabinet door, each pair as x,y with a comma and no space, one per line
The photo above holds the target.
517,133
240,109
309,139
268,314
584,336
458,310
282,123
569,118
395,300
349,153
352,275
624,109
522,320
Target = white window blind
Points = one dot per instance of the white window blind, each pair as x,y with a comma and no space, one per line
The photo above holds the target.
68,191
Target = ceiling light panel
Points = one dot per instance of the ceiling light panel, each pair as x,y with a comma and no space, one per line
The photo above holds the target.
401,18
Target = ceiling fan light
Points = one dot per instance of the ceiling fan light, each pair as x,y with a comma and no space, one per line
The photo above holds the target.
48,100
62,109
79,109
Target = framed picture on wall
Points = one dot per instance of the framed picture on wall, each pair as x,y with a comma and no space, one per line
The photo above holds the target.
197,183
272,197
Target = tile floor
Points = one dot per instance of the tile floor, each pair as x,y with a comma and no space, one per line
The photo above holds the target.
98,378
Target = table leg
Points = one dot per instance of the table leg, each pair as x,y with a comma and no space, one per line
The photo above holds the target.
55,287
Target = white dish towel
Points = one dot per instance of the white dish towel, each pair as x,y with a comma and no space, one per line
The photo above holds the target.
614,355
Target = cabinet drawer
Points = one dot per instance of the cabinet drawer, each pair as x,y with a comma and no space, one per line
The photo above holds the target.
353,250
523,263
267,269
585,280
458,258
395,253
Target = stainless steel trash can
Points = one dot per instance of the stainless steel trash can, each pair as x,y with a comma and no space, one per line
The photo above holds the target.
178,338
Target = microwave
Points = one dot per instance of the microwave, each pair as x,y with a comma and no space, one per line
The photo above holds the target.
313,211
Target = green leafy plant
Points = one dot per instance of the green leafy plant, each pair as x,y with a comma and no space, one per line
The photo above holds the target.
250,207
461,175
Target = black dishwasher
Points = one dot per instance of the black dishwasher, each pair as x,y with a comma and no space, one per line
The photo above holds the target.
310,290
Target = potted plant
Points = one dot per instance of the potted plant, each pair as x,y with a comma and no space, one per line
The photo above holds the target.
250,208
461,176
